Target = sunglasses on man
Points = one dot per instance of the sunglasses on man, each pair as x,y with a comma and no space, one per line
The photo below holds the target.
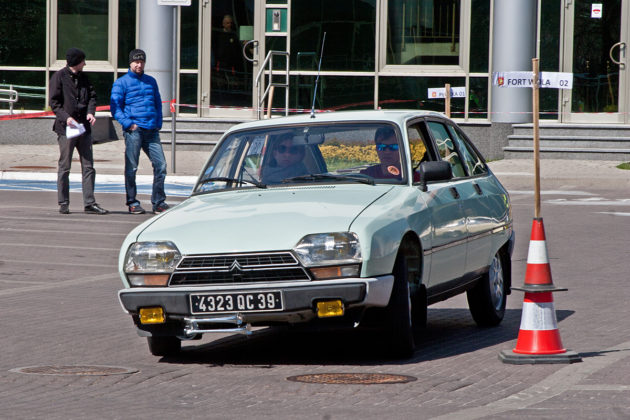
381,147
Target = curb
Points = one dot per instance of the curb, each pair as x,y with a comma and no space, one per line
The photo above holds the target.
104,179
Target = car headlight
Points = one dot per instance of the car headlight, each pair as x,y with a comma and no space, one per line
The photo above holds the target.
330,255
151,263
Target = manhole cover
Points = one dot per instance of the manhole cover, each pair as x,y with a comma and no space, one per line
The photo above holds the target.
353,378
77,370
32,167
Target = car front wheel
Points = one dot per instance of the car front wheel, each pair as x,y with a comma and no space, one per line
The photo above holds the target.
487,299
399,312
164,346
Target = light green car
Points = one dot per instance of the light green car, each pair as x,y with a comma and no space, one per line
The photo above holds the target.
346,219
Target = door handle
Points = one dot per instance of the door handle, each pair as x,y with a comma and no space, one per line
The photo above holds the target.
478,189
454,192
622,51
254,51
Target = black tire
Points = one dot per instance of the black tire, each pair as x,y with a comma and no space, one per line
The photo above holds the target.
400,313
164,346
488,298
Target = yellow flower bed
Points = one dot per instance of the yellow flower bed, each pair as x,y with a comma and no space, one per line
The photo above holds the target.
361,154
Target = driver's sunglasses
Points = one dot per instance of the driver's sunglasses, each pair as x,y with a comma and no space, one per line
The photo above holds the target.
294,150
381,147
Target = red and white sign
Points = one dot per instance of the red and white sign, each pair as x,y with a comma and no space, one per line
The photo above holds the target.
596,10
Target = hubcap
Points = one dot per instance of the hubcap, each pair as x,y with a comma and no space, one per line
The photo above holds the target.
495,276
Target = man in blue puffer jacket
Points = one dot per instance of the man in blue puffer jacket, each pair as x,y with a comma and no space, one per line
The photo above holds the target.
136,104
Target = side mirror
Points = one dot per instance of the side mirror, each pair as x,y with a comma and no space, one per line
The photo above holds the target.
434,171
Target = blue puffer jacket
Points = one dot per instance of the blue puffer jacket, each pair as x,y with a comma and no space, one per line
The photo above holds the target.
136,100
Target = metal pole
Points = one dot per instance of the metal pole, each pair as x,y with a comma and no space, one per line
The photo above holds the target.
174,90
535,108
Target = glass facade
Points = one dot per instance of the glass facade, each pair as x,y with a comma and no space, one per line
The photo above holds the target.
83,24
377,54
350,34
423,32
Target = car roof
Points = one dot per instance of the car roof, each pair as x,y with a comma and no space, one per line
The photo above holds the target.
395,116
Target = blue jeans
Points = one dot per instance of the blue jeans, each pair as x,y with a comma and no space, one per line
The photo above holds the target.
149,141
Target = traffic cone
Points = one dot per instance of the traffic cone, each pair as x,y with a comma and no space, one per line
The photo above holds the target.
538,338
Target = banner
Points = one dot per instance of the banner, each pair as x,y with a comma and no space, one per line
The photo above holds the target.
524,79
440,93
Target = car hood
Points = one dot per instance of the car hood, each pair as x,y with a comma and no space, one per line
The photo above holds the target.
260,220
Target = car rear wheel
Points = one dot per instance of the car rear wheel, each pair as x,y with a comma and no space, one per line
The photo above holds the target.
400,311
487,299
164,346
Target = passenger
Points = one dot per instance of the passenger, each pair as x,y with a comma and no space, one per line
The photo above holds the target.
286,161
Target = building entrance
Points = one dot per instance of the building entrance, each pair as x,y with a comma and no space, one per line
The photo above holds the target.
595,40
230,44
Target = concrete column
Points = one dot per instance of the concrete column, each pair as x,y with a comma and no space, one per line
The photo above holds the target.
514,46
155,30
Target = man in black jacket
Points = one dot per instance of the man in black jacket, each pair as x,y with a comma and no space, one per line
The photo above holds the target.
73,100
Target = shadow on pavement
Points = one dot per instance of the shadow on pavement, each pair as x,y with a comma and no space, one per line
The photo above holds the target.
449,332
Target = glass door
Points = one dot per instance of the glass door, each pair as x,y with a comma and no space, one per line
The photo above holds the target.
595,39
231,44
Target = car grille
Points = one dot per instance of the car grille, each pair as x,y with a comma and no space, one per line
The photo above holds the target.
238,268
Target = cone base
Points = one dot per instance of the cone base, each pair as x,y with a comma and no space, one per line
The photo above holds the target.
509,357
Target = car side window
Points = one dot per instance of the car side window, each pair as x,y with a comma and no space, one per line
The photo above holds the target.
446,148
472,160
417,147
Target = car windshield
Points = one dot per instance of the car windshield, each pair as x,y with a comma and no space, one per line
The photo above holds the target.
367,153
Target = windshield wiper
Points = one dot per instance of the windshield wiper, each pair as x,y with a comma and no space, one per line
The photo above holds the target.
238,181
364,179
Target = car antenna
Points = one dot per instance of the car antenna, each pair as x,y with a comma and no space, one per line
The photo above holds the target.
319,67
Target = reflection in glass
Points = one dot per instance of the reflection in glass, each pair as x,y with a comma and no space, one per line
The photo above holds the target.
231,77
187,93
595,76
350,34
31,88
18,46
412,93
423,32
334,93
126,31
84,25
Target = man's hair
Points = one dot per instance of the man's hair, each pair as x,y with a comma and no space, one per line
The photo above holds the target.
384,133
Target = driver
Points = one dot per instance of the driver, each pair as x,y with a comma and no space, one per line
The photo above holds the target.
387,149
286,160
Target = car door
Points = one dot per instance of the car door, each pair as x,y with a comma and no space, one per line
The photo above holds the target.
484,204
448,233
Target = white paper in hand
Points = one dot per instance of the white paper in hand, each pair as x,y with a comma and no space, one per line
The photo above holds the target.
74,131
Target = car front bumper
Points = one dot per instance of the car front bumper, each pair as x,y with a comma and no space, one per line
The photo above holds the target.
299,301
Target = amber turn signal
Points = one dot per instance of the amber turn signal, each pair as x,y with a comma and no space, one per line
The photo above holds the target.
329,308
152,316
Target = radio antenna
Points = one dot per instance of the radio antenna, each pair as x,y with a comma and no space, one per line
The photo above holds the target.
319,67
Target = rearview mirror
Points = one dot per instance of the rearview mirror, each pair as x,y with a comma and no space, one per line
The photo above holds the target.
434,171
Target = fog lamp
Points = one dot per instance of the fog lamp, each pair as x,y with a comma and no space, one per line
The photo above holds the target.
152,315
329,308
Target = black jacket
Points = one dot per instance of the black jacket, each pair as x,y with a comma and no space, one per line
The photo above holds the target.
70,100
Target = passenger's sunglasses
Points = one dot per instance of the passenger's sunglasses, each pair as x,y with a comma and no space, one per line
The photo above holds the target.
294,150
381,147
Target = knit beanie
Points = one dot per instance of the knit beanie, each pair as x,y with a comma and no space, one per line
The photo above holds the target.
74,56
136,55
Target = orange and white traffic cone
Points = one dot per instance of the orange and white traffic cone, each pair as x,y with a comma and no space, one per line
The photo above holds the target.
538,338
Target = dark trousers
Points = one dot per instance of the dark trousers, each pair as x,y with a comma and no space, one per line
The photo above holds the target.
83,144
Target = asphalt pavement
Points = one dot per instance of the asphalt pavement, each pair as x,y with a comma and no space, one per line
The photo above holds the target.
59,313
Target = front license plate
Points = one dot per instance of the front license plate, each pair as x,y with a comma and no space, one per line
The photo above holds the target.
236,302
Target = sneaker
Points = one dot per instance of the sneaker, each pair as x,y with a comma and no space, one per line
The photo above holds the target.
160,208
63,209
136,209
95,209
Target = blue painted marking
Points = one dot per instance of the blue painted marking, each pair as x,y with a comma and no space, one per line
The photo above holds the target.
171,189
